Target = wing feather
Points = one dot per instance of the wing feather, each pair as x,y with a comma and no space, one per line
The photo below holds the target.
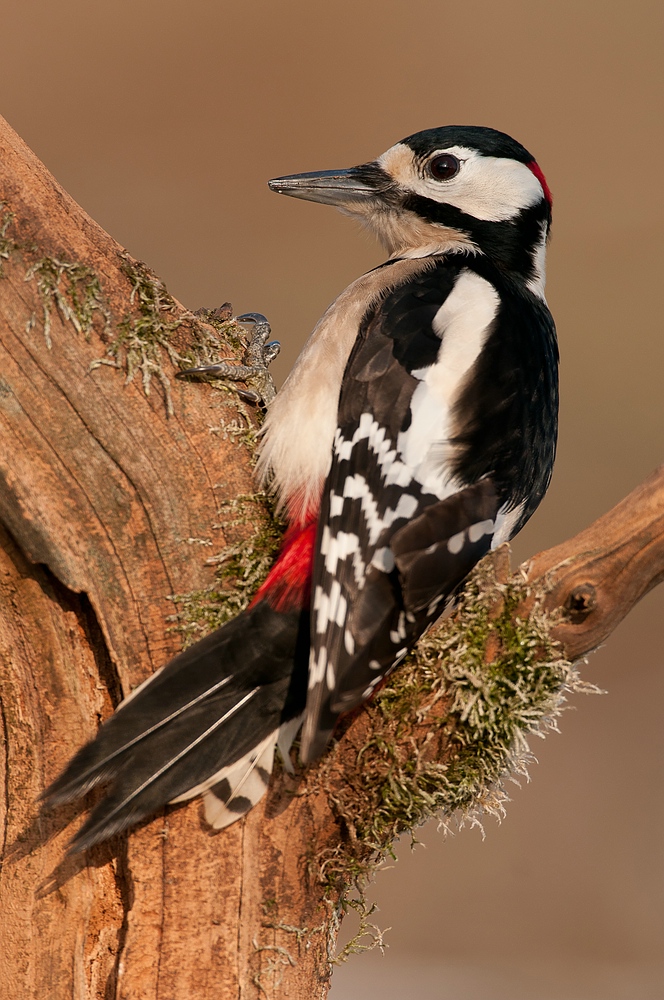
384,564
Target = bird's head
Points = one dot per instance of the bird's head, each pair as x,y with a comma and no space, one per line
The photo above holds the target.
456,188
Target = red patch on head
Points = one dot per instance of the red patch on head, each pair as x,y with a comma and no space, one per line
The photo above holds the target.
536,169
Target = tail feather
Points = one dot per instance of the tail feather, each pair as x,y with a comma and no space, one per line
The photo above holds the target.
211,716
87,775
241,786
287,734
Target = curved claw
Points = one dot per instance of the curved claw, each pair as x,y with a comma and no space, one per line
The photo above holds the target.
257,357
270,351
249,396
252,318
205,370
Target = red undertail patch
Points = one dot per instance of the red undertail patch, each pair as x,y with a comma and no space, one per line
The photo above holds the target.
288,584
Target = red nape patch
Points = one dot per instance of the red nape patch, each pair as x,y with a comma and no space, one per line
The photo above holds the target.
537,170
288,584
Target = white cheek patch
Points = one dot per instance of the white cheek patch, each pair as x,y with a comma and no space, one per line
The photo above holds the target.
490,188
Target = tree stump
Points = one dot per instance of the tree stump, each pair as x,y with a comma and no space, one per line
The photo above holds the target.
119,490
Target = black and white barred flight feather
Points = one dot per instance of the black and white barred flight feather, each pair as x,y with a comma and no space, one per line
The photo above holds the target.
432,464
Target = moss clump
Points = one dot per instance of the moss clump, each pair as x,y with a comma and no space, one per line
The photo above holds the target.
240,569
7,244
225,330
145,336
142,339
449,727
490,707
73,288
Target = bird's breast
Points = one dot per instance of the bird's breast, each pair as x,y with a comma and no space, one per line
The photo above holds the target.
298,433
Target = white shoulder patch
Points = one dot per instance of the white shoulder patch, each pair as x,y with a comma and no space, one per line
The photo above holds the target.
463,322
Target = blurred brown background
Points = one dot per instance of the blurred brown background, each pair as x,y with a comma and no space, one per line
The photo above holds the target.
164,120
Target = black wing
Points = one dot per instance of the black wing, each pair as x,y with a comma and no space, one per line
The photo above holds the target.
393,543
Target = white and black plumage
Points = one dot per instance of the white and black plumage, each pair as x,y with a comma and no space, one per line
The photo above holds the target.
416,431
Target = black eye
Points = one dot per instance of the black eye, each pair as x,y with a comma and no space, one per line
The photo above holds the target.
444,166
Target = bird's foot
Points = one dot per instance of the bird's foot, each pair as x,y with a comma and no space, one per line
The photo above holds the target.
253,369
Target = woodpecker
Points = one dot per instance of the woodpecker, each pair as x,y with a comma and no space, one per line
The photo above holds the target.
416,431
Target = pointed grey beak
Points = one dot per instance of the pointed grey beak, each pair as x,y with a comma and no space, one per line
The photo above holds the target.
335,187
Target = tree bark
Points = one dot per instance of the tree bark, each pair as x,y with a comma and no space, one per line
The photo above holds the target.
113,491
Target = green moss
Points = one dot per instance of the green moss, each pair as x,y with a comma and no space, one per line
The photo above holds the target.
7,245
75,291
491,707
447,730
240,568
72,288
227,330
145,336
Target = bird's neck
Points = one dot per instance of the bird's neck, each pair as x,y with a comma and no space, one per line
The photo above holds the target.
516,246
409,236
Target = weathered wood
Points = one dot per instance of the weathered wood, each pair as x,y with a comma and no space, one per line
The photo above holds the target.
597,577
108,504
51,696
117,501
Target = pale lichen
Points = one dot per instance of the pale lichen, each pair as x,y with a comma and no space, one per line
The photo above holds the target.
240,568
7,244
447,731
75,291
143,337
